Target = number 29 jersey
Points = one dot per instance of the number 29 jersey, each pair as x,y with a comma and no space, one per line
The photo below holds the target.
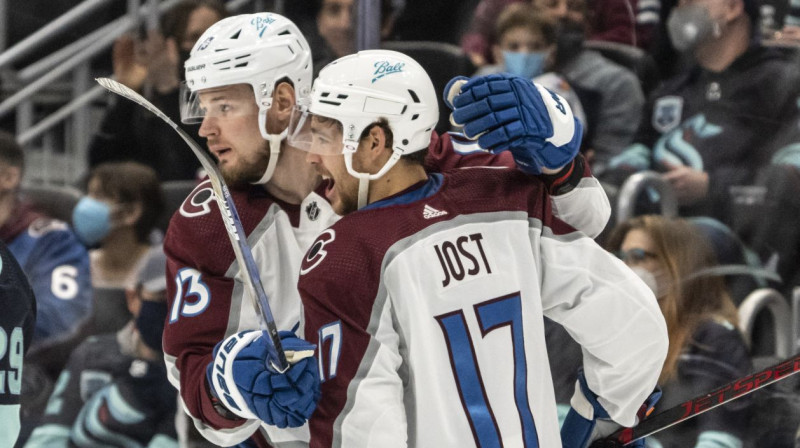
427,309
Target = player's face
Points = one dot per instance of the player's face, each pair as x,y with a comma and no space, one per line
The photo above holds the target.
342,191
230,126
335,25
572,10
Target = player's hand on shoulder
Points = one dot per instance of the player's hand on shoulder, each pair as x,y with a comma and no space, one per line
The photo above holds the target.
240,377
508,112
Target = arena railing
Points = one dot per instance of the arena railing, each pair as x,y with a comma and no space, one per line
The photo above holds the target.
49,163
648,182
772,301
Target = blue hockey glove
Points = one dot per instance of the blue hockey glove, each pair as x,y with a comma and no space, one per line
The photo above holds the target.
508,112
586,416
241,380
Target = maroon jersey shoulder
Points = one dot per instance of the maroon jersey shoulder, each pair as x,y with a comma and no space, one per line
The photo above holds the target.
443,156
358,242
197,234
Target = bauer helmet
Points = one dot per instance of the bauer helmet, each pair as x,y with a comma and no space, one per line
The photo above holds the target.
255,49
358,89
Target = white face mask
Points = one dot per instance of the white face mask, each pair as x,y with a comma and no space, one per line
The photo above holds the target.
647,277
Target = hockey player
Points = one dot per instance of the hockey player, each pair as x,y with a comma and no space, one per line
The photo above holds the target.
16,331
245,78
426,299
55,261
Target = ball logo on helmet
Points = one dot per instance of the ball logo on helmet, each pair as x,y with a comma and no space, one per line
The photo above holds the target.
385,68
262,23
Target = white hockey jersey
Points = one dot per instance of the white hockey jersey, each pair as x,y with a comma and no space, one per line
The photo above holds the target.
427,308
208,300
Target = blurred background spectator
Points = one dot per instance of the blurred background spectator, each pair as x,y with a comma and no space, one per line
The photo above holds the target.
55,262
117,218
153,64
114,389
526,46
706,349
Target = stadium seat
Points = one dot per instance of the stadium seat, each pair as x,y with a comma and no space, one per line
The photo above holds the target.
779,326
442,61
56,201
174,192
634,59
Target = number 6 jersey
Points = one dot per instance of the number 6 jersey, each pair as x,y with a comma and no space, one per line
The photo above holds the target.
427,308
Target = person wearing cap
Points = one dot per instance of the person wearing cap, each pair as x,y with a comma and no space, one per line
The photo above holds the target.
730,113
114,390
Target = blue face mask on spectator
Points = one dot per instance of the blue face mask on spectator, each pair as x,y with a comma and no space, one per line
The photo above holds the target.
527,65
91,220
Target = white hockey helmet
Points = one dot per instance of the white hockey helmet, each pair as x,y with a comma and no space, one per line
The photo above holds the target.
255,49
358,89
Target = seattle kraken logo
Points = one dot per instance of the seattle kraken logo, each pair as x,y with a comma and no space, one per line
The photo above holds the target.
385,68
261,23
312,210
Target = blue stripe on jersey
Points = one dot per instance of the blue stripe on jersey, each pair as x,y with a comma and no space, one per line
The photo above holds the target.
469,381
429,188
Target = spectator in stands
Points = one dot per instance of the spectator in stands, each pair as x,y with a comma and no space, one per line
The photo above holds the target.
706,349
118,216
611,95
526,46
55,262
711,127
154,66
334,33
114,390
623,21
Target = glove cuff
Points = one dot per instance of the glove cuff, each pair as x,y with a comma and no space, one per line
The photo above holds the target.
584,401
567,178
220,373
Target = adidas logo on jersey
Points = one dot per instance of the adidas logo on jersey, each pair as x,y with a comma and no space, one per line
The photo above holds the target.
429,212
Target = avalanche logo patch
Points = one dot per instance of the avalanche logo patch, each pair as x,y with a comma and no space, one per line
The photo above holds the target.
385,68
317,252
667,113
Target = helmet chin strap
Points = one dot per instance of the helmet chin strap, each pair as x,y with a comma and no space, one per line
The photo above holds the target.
364,178
274,146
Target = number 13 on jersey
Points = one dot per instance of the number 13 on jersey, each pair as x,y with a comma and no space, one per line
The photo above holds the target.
492,314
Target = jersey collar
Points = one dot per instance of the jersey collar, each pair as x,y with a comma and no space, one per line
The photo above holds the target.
416,192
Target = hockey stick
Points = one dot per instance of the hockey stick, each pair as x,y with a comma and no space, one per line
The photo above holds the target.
244,256
701,404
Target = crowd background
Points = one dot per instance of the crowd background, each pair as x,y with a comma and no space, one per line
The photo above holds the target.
695,136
